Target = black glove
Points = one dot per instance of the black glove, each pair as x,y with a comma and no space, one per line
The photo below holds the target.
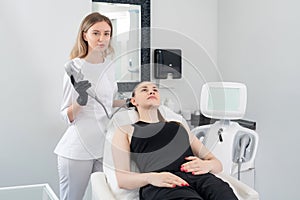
81,87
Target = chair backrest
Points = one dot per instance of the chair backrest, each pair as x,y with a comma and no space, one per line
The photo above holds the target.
223,100
121,118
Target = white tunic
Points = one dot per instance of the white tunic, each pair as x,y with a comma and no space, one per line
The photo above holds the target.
84,138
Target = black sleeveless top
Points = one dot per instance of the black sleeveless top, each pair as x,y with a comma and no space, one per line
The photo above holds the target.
159,146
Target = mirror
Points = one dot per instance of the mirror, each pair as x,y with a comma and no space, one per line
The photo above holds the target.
131,39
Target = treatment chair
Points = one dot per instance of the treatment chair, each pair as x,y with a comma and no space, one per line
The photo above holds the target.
104,184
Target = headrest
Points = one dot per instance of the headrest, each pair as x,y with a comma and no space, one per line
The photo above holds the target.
223,100
125,117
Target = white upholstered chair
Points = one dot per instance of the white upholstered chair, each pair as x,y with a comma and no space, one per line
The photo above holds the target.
104,184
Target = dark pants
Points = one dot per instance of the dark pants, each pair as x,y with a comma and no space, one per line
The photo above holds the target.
202,187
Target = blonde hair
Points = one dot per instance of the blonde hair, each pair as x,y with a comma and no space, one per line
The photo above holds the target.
80,49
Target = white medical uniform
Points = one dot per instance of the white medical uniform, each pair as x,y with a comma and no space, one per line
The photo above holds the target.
80,150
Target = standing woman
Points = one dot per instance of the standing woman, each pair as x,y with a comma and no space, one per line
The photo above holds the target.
80,150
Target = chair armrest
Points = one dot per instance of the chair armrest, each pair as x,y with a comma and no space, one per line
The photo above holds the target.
100,188
243,191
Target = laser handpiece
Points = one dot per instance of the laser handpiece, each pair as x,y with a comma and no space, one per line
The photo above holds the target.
73,70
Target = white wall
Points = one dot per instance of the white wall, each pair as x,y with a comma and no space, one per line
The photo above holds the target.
36,38
259,45
192,27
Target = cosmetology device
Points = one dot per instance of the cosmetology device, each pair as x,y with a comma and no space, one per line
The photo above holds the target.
73,69
235,146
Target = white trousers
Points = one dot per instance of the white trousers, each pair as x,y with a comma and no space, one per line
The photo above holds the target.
74,176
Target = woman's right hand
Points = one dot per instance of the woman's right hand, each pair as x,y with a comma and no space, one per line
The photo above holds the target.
81,88
165,179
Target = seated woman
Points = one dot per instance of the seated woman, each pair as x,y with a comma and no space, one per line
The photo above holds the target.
173,163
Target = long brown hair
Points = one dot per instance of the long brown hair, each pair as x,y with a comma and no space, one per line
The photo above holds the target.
80,49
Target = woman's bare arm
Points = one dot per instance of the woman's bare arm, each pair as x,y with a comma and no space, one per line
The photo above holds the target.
131,180
203,161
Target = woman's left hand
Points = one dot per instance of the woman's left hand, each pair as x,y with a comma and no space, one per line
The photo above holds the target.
195,165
